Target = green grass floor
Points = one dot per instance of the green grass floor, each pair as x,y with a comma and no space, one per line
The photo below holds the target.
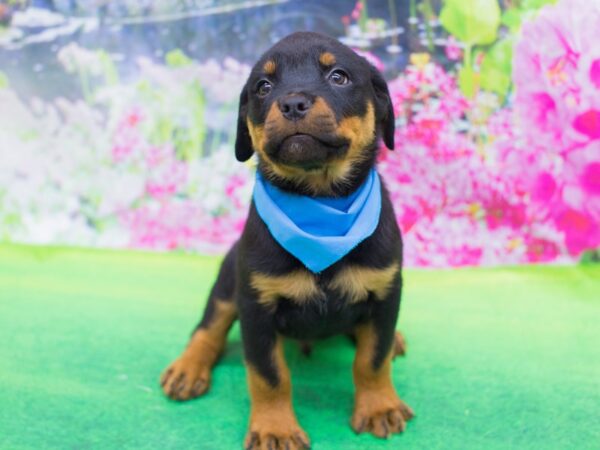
497,358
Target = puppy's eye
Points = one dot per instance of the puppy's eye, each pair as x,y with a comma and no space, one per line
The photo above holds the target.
264,88
339,77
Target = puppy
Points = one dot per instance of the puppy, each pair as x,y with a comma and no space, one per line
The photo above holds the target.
321,251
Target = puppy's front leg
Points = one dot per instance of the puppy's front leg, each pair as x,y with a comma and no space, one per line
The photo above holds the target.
377,407
273,424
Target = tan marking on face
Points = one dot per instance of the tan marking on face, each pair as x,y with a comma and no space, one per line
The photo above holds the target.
270,67
319,118
327,59
189,375
299,286
359,131
271,412
257,135
357,282
377,407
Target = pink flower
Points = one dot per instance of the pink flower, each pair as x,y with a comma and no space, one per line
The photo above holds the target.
544,187
357,10
588,123
127,138
176,224
465,255
590,178
581,231
594,73
233,186
500,212
556,74
453,49
540,250
371,57
133,119
166,180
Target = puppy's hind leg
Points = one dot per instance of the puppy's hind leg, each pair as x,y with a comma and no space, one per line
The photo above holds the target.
189,375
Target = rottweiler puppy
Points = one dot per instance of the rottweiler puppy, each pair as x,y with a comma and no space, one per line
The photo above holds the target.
313,111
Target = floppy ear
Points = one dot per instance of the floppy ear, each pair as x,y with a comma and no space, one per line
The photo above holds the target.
243,142
384,108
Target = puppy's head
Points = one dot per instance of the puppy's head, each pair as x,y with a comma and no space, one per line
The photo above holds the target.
313,110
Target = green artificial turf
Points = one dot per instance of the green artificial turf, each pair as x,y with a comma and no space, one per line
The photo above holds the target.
497,358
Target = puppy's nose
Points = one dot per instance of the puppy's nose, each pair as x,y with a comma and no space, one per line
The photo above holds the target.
295,106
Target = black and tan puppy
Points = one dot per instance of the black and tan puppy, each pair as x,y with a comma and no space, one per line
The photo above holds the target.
313,111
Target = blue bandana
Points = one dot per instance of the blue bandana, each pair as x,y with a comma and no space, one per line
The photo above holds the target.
319,231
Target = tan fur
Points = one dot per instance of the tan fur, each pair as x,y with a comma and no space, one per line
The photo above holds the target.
189,375
257,135
377,407
272,415
359,131
207,343
270,67
357,282
299,286
327,59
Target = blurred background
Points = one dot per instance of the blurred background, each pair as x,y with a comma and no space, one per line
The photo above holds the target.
117,121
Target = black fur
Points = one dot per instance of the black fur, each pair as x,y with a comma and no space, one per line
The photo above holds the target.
296,58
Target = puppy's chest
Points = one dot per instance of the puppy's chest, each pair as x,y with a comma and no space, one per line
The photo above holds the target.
350,285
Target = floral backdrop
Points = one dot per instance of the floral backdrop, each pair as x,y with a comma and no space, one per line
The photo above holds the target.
117,121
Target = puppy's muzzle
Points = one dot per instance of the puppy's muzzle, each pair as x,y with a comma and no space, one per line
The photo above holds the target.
301,131
295,107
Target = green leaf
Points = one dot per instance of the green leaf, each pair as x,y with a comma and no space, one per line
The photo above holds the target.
512,19
474,22
535,4
590,257
176,58
111,74
467,81
3,80
496,68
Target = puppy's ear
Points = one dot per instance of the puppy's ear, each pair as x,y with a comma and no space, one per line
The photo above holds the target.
243,142
384,108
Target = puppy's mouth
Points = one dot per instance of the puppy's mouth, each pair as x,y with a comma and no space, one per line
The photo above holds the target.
306,151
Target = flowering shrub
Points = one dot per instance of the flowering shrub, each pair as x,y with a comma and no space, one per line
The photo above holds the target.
558,100
458,177
476,183
131,165
497,158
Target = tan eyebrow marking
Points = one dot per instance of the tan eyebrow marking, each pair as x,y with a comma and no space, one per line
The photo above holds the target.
270,67
327,59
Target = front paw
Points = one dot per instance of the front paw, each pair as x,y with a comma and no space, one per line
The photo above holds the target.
185,379
276,433
380,416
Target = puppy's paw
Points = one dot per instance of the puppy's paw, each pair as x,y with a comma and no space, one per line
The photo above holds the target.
276,434
399,344
185,379
380,417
